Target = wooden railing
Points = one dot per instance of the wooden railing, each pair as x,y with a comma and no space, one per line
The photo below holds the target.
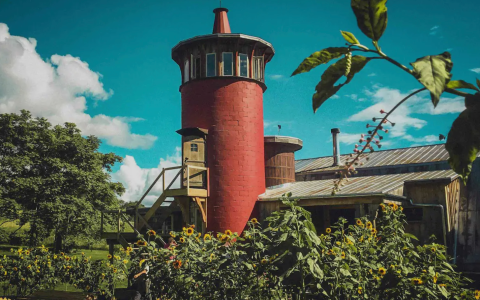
138,219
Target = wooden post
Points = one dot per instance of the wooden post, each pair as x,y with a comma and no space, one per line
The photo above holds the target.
163,180
188,180
110,250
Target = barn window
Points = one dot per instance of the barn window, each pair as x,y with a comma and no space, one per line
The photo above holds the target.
243,65
227,64
194,147
258,67
211,65
413,214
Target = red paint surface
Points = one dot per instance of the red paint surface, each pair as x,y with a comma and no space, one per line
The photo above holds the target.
232,110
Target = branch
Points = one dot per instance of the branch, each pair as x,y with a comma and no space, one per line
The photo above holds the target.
367,145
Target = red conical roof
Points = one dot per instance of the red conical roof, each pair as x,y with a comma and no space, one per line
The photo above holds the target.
221,24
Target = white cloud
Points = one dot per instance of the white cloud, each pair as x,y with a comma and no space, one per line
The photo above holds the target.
476,70
372,75
137,180
335,97
276,76
58,89
349,138
434,30
385,98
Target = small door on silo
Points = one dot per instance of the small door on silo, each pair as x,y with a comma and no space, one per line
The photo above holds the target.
194,156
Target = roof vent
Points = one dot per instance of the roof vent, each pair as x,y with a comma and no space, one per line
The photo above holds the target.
221,24
336,147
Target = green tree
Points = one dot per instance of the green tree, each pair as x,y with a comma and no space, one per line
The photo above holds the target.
53,178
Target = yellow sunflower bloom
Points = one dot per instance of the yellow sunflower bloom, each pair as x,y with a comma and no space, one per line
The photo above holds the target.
382,206
382,271
328,230
151,232
182,240
109,256
369,225
254,220
190,231
343,255
207,237
360,290
172,234
417,281
177,264
125,261
192,226
228,232
433,250
359,222
264,261
477,294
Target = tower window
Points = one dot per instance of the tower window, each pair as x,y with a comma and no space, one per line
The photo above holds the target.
186,71
228,64
258,67
194,147
195,66
243,64
211,65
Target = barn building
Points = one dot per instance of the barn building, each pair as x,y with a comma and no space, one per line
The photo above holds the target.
231,171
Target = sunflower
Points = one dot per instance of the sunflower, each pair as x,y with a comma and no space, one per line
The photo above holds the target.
190,231
67,258
477,294
141,262
382,271
55,256
27,252
343,255
192,226
264,261
382,206
435,278
359,290
369,225
359,222
129,249
395,207
151,232
109,256
15,269
125,261
228,232
114,270
330,252
442,285
224,238
328,230
172,234
433,250
182,240
360,239
390,204
207,237
85,260
255,221
417,281
374,231
177,264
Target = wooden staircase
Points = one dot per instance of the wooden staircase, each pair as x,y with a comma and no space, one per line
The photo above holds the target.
140,222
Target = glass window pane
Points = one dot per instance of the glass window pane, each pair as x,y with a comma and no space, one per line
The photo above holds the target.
211,65
258,68
228,64
243,65
186,71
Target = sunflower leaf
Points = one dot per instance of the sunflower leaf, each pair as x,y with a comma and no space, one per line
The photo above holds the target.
371,17
319,58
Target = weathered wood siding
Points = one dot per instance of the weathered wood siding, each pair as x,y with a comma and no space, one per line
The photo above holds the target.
279,165
468,247
427,193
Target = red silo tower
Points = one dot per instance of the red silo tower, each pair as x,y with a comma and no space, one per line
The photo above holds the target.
222,90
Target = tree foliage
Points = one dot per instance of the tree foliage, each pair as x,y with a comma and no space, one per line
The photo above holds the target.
54,178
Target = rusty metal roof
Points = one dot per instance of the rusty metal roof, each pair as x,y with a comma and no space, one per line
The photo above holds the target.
402,156
367,185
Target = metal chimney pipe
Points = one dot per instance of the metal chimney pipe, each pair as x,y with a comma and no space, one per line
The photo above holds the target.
336,147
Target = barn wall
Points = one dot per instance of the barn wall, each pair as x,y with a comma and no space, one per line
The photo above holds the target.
427,193
468,247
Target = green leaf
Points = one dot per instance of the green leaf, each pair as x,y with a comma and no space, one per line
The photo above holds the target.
408,235
460,84
371,17
463,141
319,58
325,88
433,72
349,37
478,82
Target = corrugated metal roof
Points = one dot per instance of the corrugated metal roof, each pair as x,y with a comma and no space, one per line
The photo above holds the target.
403,156
380,184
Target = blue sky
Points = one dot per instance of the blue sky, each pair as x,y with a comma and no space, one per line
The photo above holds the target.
134,105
